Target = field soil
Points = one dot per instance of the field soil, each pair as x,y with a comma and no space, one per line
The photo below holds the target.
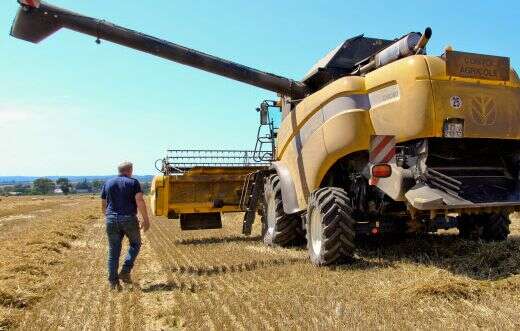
53,276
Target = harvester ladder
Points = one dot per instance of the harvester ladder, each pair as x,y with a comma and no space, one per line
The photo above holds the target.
249,199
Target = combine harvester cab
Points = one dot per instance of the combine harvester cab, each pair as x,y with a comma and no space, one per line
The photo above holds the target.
378,137
197,186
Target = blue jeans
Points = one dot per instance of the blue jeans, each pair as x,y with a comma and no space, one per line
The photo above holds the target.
118,227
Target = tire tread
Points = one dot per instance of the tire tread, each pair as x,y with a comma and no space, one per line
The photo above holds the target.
338,226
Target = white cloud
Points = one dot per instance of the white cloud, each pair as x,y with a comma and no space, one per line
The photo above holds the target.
13,116
14,113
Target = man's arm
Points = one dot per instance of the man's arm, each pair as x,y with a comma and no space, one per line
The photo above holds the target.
104,206
103,200
141,206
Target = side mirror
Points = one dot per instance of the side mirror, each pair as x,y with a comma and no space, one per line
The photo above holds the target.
264,113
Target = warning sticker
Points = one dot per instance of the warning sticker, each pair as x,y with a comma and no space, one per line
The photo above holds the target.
479,66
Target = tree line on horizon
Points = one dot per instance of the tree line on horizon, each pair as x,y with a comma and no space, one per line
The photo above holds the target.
46,186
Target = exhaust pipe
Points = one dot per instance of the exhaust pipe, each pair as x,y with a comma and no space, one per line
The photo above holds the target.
412,43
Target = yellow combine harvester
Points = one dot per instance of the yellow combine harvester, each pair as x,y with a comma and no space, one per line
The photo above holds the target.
379,137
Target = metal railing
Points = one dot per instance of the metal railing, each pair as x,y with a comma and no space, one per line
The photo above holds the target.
181,160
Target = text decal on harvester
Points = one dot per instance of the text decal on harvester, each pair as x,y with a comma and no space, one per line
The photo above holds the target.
479,66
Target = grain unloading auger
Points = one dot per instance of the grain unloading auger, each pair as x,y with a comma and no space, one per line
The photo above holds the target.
377,138
40,20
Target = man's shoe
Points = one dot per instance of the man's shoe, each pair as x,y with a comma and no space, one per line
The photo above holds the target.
124,276
115,286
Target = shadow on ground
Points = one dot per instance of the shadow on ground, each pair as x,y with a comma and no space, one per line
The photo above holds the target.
172,286
232,268
217,240
477,260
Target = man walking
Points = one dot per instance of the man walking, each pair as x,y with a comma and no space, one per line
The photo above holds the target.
121,198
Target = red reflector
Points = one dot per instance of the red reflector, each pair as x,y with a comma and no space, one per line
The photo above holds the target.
31,3
381,171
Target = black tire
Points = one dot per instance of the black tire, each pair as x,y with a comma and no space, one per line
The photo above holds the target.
278,228
470,227
496,227
330,227
488,227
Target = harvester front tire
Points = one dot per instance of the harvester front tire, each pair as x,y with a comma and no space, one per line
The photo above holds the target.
279,228
330,227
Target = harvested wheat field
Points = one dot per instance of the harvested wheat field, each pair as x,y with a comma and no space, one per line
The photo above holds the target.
52,276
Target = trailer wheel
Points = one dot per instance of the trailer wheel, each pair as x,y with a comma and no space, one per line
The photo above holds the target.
489,227
278,228
330,227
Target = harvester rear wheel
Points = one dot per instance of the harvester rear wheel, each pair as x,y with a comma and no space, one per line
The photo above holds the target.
489,227
469,227
496,227
330,227
278,228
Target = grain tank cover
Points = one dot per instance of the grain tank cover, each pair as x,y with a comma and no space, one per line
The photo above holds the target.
342,60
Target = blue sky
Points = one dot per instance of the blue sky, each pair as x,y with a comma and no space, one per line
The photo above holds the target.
71,107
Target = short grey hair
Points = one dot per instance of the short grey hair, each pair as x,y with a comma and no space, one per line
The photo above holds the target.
124,167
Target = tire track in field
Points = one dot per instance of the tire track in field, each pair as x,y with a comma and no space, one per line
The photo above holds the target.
167,251
182,289
244,287
212,300
228,289
225,298
190,261
166,247
274,308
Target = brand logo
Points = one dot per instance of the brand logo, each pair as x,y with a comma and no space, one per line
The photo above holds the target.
483,111
456,102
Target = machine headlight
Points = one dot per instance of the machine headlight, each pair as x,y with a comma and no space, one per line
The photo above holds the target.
453,128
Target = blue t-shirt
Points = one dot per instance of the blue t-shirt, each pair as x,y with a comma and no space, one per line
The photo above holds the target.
120,195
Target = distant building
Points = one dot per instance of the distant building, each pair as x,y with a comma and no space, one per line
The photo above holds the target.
82,190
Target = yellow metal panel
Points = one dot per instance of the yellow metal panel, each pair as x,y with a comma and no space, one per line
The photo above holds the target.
488,111
410,115
201,207
307,107
157,196
313,153
290,159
